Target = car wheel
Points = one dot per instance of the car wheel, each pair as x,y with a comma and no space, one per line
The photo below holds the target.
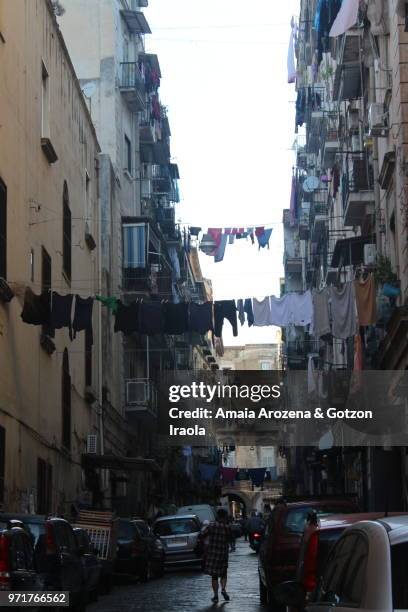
263,592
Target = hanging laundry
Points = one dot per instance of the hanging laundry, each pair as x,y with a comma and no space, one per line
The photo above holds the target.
110,302
194,231
300,108
127,318
366,300
264,238
225,309
321,313
151,318
216,234
346,17
228,475
207,472
201,317
301,309
291,53
343,311
280,310
293,201
61,311
37,308
83,316
257,476
262,312
328,12
219,347
175,318
220,250
242,474
240,311
248,311
311,376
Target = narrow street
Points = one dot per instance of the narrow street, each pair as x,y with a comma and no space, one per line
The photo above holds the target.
189,590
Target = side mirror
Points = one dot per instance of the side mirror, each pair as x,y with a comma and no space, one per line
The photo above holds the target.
291,593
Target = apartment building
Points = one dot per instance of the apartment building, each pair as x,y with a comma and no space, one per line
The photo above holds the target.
50,385
347,216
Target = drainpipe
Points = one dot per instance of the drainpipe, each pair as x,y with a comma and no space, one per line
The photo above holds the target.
376,172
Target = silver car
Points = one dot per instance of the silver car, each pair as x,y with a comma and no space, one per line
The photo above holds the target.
180,536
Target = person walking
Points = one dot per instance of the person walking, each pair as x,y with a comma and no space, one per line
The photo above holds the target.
216,561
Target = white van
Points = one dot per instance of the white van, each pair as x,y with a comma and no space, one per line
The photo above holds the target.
205,512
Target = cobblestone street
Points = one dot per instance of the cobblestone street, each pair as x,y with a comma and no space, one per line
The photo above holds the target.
189,591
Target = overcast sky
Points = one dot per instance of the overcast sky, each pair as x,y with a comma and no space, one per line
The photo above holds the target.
232,120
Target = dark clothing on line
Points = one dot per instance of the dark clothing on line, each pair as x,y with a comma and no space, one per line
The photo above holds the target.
201,317
248,311
151,318
175,318
83,316
225,309
127,318
61,309
37,308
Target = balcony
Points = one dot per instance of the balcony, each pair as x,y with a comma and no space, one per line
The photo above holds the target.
315,118
132,86
292,262
350,68
331,142
357,190
141,395
304,223
295,352
136,22
147,128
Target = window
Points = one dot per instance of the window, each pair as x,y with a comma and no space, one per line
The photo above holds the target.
32,260
66,402
134,245
67,234
88,357
46,270
128,155
45,103
266,365
2,462
3,230
44,486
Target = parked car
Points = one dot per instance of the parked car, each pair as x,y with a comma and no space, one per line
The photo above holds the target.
366,569
282,539
205,512
318,538
56,555
181,538
138,554
90,565
17,569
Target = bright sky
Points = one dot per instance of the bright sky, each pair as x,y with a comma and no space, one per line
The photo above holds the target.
224,67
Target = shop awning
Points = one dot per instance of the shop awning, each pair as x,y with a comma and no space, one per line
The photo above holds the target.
350,251
120,462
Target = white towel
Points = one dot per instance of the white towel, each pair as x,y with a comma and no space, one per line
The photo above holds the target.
346,17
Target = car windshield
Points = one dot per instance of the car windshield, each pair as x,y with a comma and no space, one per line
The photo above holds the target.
176,527
399,570
296,518
143,528
126,530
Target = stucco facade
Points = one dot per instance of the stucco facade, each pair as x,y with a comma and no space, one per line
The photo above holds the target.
44,117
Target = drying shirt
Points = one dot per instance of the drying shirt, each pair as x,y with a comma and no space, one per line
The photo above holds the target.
61,310
109,302
257,475
301,309
83,315
249,312
151,318
262,312
366,301
225,309
127,318
321,316
175,318
37,308
281,310
343,311
201,318
240,311
263,239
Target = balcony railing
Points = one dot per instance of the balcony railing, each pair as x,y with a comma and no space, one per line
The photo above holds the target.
132,85
357,185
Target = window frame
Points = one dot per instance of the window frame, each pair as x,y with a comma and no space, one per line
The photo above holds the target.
66,234
128,167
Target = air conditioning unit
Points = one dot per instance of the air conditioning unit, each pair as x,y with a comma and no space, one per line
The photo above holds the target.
370,254
92,444
377,120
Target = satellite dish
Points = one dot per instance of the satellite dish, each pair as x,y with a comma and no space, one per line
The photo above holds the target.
89,89
311,184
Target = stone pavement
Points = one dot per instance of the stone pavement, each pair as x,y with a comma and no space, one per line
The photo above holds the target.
189,591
